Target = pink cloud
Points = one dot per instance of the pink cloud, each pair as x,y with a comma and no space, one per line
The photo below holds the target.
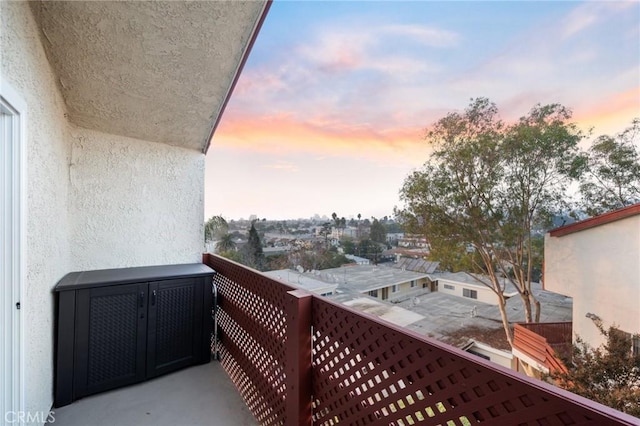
282,133
612,114
590,13
429,36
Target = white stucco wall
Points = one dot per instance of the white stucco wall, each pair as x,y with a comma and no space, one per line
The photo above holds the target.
93,200
485,294
600,268
134,203
498,356
25,67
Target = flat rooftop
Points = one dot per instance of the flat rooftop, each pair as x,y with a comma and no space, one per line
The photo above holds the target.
455,320
307,281
365,278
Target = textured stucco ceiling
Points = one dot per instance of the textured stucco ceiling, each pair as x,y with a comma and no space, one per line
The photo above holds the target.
153,70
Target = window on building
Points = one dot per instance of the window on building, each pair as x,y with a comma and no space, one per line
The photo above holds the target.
472,294
479,354
394,288
373,293
413,283
449,287
633,339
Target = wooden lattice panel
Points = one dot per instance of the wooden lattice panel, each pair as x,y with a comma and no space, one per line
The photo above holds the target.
252,339
366,372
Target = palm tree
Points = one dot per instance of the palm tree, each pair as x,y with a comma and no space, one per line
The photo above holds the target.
226,243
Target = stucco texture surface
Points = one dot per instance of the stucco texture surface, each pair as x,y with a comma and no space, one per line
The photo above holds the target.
158,71
134,203
600,268
25,67
94,200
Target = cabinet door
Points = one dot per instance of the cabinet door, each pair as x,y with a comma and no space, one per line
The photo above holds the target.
174,335
110,341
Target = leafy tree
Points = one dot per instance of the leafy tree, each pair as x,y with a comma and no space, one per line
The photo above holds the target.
234,255
486,185
324,232
393,227
348,246
339,223
226,243
612,176
253,255
454,258
280,261
321,259
369,250
215,228
609,374
378,232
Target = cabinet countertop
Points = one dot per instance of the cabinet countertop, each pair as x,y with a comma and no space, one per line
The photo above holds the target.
109,277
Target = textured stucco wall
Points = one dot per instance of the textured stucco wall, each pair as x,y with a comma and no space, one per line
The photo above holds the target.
134,203
93,200
600,269
25,67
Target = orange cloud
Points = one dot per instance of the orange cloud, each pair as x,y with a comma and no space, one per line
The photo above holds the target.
283,134
612,115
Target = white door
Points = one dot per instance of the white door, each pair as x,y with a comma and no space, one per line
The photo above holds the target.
12,246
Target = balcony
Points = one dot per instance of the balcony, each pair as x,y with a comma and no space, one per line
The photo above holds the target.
301,359
200,395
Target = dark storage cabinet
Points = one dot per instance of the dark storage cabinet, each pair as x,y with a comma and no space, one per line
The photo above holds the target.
121,326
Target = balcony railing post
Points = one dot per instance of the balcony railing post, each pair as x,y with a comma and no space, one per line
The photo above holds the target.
298,368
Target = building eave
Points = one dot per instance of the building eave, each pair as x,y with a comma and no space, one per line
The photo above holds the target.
592,222
160,71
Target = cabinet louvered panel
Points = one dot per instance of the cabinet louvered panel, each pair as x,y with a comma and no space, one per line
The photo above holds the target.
110,338
175,319
174,332
113,336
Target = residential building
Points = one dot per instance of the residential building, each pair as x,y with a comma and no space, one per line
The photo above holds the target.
597,262
398,253
500,357
378,281
107,109
413,241
463,284
357,259
304,281
416,265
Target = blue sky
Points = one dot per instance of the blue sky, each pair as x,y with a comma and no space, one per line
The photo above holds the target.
330,111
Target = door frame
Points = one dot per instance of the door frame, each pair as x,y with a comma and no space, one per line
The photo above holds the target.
14,245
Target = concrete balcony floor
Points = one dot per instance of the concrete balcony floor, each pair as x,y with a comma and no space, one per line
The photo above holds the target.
200,395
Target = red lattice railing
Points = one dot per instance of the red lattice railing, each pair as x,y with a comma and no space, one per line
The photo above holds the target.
300,359
252,336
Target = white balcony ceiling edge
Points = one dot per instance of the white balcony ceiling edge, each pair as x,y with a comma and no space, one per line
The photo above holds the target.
159,71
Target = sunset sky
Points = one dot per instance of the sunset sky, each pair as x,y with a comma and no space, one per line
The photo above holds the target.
330,111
